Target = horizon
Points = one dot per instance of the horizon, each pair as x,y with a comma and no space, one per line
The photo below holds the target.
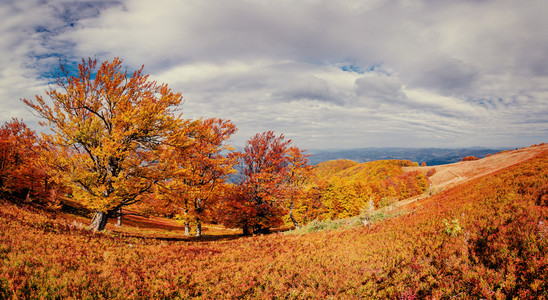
418,148
344,75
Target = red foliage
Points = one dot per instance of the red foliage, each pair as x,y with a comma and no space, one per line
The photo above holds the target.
469,158
492,245
21,174
268,178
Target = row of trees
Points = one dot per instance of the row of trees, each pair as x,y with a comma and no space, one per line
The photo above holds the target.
118,139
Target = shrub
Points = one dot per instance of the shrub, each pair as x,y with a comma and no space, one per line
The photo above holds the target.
452,228
386,201
469,158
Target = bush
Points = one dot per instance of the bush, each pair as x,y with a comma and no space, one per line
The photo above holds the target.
5,292
386,201
469,158
452,228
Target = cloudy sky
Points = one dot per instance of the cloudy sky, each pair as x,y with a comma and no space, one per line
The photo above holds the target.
327,74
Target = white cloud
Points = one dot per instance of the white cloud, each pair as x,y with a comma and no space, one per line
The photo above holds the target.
429,73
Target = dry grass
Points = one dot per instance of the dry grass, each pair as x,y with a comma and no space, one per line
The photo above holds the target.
450,175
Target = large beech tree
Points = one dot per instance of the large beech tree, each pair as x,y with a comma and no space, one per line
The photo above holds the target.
271,171
109,129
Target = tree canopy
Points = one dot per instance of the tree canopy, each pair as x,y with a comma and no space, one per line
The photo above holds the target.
198,172
108,130
21,174
270,173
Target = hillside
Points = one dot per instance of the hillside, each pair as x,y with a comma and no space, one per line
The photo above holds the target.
332,167
452,174
485,237
344,188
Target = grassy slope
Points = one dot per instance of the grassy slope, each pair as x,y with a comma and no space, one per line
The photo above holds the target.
453,174
492,244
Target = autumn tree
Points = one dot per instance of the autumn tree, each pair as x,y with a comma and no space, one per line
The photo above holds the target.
297,174
268,170
21,174
108,130
199,173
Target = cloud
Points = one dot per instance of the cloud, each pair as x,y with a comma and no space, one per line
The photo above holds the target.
447,77
378,87
31,47
347,73
307,88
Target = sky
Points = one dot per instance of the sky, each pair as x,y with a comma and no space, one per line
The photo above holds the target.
327,74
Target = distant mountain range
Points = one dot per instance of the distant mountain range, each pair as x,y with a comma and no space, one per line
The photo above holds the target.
432,156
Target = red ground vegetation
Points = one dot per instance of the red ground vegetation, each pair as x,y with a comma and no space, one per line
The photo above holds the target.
486,238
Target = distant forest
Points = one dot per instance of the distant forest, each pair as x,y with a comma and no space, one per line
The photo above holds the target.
431,156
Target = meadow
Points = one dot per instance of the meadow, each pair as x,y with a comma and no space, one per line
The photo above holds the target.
486,238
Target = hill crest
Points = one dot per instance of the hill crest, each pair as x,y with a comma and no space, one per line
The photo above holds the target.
450,175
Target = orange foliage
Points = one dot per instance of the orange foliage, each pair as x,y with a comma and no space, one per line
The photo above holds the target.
109,131
198,172
329,168
486,239
469,158
346,190
21,174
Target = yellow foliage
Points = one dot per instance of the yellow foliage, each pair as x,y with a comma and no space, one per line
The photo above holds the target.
109,129
345,187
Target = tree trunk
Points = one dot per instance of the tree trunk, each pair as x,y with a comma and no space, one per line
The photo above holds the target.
187,228
198,227
99,221
119,217
245,229
291,215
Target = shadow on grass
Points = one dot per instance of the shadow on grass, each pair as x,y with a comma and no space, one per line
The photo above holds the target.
160,229
159,236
